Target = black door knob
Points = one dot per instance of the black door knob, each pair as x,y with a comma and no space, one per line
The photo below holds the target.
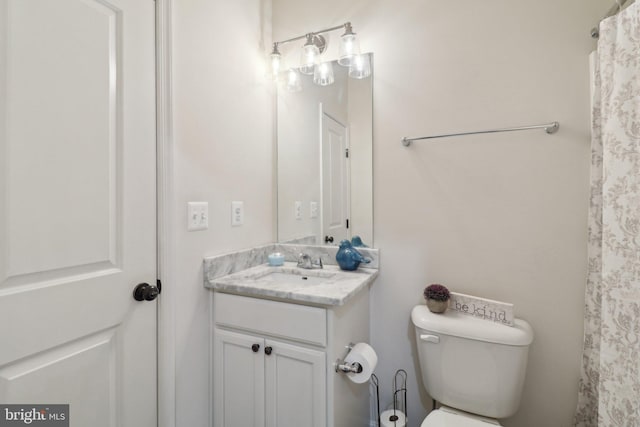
255,348
328,239
145,292
268,350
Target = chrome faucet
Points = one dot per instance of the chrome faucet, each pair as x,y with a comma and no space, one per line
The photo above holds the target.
305,261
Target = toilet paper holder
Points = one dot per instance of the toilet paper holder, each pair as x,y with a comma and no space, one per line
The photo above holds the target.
345,367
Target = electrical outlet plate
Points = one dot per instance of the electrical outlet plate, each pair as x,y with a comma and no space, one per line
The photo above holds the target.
197,216
237,213
313,209
298,210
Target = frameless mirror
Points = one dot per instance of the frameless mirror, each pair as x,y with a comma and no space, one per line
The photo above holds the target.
325,170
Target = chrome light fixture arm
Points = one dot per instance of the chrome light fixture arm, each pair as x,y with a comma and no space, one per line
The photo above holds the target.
316,38
346,26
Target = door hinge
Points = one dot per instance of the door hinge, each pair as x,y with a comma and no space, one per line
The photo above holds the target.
347,152
159,285
347,223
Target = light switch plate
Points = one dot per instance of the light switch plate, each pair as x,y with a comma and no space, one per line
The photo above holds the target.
237,213
313,209
197,216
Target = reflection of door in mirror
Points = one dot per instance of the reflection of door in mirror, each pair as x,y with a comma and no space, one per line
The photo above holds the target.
335,180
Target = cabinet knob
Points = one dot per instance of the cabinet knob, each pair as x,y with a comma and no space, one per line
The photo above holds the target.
268,350
255,348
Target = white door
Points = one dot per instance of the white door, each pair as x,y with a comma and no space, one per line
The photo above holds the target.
238,378
295,386
77,208
335,181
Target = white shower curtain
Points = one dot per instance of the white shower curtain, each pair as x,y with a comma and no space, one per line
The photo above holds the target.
609,392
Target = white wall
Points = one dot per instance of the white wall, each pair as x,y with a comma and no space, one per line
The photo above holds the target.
223,151
500,216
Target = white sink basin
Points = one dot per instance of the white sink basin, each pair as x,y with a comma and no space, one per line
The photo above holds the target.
310,277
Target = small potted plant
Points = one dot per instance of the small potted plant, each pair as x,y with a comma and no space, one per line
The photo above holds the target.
437,297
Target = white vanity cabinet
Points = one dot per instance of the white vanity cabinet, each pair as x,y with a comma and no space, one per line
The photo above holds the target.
261,382
273,363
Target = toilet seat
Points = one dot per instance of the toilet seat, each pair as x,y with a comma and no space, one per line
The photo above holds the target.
444,417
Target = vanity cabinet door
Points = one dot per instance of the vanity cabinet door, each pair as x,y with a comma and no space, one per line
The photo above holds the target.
295,386
238,380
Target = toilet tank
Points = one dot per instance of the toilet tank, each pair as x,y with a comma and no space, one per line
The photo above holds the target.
472,364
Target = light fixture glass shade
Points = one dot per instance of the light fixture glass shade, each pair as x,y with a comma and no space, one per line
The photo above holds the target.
323,74
360,67
309,58
276,60
294,83
349,48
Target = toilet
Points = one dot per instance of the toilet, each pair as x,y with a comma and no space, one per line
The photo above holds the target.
473,367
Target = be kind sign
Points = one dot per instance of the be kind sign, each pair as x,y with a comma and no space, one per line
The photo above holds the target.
482,308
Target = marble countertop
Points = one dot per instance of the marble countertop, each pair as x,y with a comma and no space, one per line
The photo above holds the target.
329,286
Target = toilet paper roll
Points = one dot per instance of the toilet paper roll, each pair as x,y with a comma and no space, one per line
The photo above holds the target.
366,356
386,419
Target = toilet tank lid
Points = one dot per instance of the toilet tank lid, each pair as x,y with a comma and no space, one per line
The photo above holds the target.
461,325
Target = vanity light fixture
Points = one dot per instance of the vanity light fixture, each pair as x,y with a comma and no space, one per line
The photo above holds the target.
311,53
349,46
276,59
310,63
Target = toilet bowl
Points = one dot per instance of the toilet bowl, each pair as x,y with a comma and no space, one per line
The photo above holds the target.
473,367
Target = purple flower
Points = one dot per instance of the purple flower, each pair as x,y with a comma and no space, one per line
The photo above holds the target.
436,292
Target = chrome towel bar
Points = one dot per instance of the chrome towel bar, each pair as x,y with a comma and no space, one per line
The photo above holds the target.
548,128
